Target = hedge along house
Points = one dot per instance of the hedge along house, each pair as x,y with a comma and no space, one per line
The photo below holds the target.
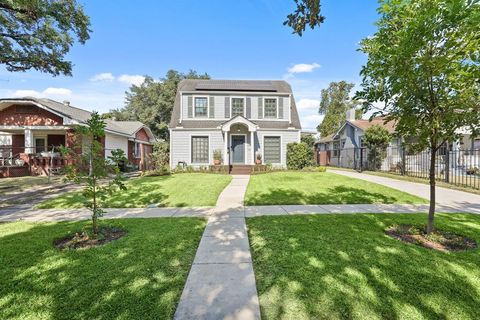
239,119
31,131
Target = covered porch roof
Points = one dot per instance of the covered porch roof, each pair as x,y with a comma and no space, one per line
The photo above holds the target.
226,126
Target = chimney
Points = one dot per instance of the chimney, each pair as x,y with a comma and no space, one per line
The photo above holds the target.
351,114
67,103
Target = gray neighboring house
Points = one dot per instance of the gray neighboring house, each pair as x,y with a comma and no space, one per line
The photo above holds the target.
228,115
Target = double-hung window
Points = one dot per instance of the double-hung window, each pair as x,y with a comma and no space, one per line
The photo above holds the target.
271,149
138,151
238,107
200,149
201,107
270,108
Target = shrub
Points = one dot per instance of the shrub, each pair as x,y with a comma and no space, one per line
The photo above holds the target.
377,139
299,156
315,169
160,157
162,171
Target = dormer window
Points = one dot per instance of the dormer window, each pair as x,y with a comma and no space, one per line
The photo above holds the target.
270,108
238,107
201,107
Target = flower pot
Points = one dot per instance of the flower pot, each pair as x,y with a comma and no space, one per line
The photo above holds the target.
258,161
216,162
19,162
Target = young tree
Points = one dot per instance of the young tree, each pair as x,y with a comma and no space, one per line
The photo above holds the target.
424,65
100,176
309,139
37,34
377,139
152,101
334,103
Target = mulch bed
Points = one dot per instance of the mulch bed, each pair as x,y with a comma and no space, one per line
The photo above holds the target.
437,240
84,240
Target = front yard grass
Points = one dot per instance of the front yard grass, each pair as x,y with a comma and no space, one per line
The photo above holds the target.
284,188
178,190
140,276
344,267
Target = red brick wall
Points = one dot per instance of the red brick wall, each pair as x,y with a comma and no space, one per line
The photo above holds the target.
34,117
142,135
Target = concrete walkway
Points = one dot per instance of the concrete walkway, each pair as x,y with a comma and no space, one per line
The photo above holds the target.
459,200
221,282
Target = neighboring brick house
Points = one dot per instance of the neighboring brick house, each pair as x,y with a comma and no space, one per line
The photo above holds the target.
31,130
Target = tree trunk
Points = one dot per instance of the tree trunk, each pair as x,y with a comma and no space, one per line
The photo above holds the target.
94,215
431,211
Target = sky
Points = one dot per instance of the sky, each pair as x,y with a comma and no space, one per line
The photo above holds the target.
228,39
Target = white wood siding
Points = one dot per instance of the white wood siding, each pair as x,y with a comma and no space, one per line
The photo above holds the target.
286,136
181,144
113,142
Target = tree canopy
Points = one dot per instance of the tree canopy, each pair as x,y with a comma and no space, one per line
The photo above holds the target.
334,103
37,34
423,66
307,13
152,101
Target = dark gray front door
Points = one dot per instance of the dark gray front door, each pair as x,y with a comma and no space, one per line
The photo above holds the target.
238,149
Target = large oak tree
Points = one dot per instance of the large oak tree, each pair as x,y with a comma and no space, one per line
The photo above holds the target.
37,34
424,67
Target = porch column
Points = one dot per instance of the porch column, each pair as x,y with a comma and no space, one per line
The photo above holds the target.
225,149
28,133
252,145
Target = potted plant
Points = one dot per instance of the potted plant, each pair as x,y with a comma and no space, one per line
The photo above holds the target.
258,159
217,157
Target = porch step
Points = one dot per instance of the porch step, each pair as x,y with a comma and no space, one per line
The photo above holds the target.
240,169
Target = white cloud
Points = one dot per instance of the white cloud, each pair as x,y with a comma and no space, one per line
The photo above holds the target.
106,76
303,67
131,79
57,91
308,104
26,93
45,93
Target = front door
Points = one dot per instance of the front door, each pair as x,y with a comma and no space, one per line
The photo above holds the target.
238,149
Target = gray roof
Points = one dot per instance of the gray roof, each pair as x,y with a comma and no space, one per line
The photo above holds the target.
280,86
80,115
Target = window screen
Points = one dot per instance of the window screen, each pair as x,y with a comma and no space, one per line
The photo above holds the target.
270,108
201,107
237,107
271,149
199,149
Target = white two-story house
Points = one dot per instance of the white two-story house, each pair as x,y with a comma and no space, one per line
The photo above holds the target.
236,118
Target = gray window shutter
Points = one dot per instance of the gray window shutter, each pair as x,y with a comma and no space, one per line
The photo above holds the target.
249,108
280,108
227,107
190,107
260,108
212,107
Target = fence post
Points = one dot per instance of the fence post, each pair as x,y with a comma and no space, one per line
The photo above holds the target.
447,163
404,162
361,159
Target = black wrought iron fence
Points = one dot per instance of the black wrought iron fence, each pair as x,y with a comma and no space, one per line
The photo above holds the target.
458,167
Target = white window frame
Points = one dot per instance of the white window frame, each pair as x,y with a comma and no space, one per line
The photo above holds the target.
244,105
194,111
281,148
137,147
44,138
190,149
276,109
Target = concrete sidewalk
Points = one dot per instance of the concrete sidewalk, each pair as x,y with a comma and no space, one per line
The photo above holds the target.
462,201
221,282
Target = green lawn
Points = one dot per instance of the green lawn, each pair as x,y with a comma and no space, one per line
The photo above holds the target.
345,267
140,276
279,188
179,190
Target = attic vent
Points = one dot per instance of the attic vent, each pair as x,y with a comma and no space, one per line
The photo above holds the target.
67,103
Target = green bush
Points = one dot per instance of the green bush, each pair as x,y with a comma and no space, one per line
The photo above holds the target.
162,171
315,169
377,139
160,157
299,156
